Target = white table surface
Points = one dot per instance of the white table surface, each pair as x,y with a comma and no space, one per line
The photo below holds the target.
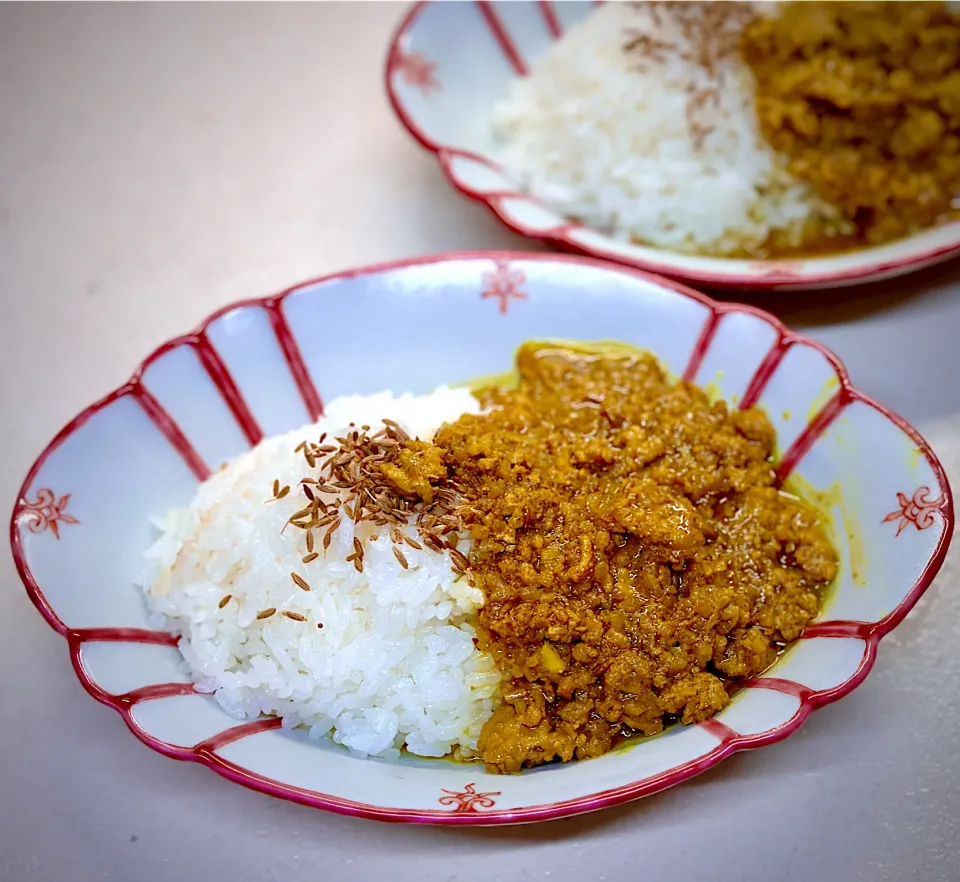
157,162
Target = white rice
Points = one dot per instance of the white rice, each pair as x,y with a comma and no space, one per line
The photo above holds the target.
603,136
394,664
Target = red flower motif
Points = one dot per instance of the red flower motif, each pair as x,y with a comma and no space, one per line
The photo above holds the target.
47,512
468,800
504,284
919,511
415,70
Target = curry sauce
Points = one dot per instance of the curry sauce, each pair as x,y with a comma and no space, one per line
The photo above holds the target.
637,560
863,101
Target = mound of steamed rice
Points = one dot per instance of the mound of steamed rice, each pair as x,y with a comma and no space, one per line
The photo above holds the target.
604,136
394,662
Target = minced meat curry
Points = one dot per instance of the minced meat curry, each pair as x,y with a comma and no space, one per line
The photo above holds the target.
637,560
863,98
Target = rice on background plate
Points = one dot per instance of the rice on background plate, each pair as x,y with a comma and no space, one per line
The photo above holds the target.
646,143
378,659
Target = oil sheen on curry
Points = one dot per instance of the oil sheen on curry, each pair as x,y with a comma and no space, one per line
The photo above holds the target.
637,560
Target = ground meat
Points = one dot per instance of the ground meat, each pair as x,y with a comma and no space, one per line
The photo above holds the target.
864,100
637,561
419,467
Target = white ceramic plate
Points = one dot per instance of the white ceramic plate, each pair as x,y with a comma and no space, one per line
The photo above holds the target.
449,62
81,520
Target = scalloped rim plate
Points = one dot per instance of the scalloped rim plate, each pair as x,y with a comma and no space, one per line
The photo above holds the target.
81,519
442,88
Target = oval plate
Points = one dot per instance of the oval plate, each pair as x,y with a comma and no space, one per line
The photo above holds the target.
82,518
448,63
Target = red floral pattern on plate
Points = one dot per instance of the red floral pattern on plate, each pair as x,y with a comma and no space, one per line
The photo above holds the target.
417,71
503,283
47,512
918,510
468,800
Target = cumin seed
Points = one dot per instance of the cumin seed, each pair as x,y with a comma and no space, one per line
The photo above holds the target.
266,613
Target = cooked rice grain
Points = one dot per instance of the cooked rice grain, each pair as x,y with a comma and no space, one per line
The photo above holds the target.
388,658
617,125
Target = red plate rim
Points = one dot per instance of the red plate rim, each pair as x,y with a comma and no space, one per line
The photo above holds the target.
730,742
776,277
